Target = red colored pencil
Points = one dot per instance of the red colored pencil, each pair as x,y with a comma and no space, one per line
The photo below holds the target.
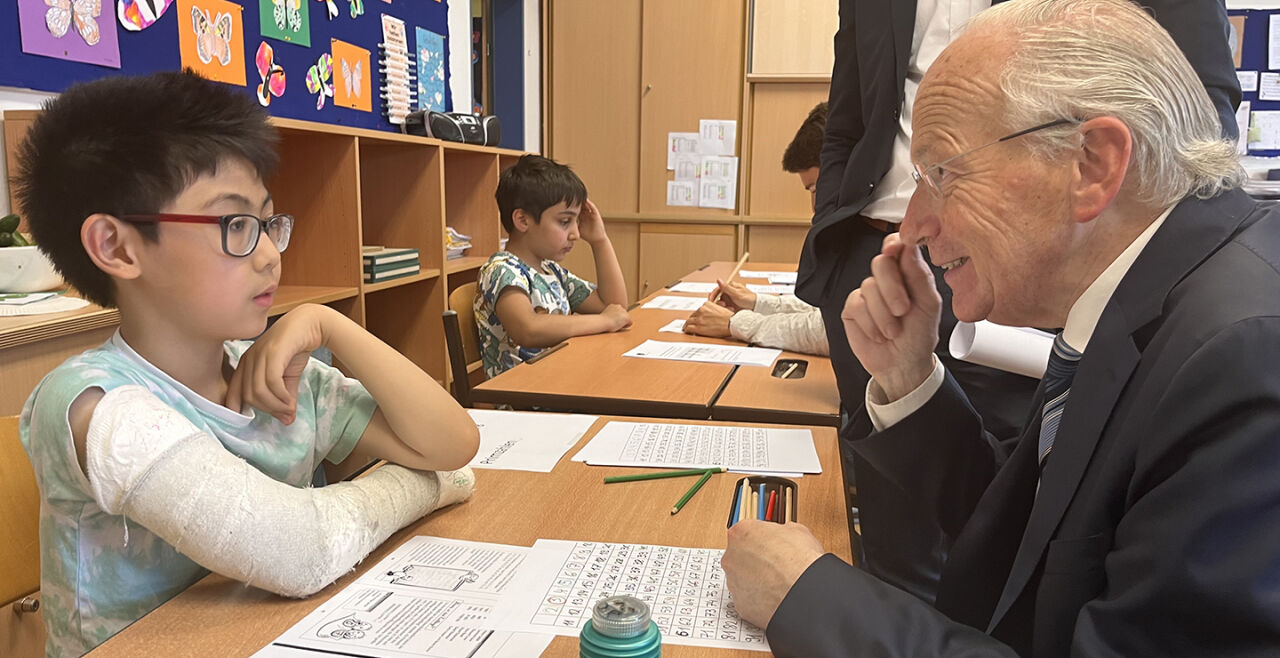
773,499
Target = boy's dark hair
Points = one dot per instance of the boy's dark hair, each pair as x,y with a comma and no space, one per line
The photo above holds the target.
129,145
535,183
805,150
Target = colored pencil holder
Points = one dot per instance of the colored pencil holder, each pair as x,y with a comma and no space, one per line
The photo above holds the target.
779,487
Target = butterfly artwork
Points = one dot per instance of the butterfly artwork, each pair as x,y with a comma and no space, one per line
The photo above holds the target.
272,75
287,15
352,78
357,8
62,14
138,15
318,79
213,37
332,7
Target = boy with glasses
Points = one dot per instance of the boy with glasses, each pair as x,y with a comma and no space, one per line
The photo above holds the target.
174,449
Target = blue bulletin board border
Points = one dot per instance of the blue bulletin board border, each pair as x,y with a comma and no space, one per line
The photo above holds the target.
156,49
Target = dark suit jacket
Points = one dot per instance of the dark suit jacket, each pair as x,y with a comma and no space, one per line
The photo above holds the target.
1155,530
871,51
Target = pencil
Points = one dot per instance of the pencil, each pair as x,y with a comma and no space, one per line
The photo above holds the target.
742,502
787,513
773,502
733,515
661,474
694,489
734,273
761,502
790,369
755,505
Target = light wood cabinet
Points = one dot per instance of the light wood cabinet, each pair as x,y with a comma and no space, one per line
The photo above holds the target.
776,243
669,251
347,187
789,37
777,110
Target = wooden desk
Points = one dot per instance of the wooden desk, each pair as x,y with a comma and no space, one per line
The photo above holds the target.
755,395
221,617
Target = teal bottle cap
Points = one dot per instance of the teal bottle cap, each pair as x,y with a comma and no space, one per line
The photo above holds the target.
620,616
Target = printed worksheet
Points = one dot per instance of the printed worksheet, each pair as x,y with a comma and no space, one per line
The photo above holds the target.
705,352
674,303
525,441
767,274
430,597
684,587
698,287
772,289
674,327
672,445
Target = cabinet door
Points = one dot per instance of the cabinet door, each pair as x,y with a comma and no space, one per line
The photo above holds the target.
691,69
670,251
594,101
776,244
777,111
625,237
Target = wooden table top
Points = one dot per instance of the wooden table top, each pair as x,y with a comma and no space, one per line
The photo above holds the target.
221,617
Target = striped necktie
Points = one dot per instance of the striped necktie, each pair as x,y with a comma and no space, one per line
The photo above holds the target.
1057,386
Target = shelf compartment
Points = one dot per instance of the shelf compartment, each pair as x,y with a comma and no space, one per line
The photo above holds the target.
402,198
471,178
408,318
402,281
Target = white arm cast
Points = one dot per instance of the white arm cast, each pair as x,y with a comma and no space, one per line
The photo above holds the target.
148,462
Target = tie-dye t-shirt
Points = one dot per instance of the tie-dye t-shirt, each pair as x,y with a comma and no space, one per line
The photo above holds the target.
555,290
101,572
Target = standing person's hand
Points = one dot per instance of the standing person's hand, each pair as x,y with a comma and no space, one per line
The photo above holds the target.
892,320
762,561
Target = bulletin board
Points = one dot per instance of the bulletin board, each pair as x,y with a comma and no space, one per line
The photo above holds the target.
1256,64
48,45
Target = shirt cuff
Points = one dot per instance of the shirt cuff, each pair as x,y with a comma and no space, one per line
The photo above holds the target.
743,325
767,304
885,414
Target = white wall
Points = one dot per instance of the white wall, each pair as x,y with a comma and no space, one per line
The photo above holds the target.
533,76
460,55
15,99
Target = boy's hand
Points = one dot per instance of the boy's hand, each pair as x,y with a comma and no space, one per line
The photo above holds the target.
268,373
619,317
709,320
591,224
733,296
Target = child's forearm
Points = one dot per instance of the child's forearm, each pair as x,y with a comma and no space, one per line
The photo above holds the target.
545,330
409,398
610,284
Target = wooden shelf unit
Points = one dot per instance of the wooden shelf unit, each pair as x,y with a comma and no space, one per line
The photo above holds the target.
348,187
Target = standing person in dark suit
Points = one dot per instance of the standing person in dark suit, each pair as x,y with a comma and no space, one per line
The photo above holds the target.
882,49
1071,174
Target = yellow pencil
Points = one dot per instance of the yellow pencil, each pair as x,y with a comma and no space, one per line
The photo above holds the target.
755,504
734,273
787,513
790,369
742,500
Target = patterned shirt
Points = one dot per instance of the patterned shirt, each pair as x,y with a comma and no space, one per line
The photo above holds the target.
101,572
554,290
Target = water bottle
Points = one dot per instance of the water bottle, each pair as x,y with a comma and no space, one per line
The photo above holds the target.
620,627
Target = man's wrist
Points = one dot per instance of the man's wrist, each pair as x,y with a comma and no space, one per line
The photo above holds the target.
898,384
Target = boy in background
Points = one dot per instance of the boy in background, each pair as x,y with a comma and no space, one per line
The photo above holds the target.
781,321
526,301
173,450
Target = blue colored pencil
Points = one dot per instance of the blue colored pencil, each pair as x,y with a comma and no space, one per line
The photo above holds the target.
763,501
737,495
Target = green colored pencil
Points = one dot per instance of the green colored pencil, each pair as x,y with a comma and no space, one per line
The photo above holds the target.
694,489
661,474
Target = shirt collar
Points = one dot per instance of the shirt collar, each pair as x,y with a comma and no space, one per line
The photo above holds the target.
1084,314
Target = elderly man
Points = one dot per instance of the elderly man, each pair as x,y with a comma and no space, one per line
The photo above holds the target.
1071,174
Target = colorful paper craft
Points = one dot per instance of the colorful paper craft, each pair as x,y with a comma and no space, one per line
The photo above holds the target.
272,74
286,20
332,7
211,39
430,70
357,8
318,79
68,29
137,15
352,79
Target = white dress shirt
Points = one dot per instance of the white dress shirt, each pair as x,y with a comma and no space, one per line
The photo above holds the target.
938,22
1082,319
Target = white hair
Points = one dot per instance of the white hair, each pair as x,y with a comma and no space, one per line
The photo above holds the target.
1081,59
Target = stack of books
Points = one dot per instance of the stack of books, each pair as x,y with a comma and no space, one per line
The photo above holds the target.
386,263
455,243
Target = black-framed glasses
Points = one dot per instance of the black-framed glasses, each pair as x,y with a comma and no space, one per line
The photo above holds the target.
240,232
931,176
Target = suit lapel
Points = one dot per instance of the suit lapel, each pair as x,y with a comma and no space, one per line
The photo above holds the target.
1193,231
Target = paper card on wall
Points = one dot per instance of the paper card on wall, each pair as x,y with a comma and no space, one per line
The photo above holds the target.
351,76
318,79
1242,124
331,8
357,7
1273,41
716,137
430,70
1235,37
717,167
688,166
137,15
1269,87
74,30
1264,131
680,143
718,194
286,20
1248,80
271,74
211,39
682,193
